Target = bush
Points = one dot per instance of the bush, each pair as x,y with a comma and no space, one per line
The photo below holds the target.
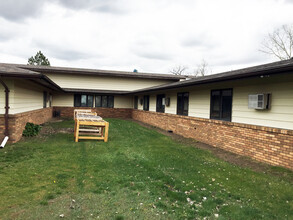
31,130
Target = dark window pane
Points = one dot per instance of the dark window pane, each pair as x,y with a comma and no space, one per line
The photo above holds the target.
98,101
221,104
215,104
104,101
110,101
227,92
77,99
179,104
182,103
83,100
90,101
185,102
160,106
146,100
226,105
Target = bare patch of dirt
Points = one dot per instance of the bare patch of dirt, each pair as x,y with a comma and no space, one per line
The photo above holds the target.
53,120
49,130
65,130
235,159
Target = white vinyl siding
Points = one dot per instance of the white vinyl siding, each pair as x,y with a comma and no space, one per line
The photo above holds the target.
172,108
199,103
27,96
104,83
280,114
153,103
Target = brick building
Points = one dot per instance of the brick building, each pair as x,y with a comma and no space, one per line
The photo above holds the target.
247,111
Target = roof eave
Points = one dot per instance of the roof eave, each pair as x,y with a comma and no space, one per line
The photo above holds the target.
220,79
95,91
35,77
114,74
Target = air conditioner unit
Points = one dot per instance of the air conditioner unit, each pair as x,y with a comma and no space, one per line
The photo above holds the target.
259,101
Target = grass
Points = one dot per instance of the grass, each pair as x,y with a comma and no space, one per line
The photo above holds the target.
138,174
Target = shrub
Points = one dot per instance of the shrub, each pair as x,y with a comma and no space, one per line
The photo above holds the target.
31,130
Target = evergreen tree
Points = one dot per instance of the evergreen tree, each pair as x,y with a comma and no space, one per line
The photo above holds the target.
39,59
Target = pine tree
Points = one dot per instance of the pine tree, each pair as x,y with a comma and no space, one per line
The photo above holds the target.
39,59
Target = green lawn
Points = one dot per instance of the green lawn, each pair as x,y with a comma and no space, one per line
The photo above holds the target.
138,174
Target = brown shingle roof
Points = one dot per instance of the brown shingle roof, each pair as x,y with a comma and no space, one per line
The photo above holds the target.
96,91
96,72
285,66
8,70
25,71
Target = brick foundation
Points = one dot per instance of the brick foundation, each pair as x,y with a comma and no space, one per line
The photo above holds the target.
67,112
269,145
17,122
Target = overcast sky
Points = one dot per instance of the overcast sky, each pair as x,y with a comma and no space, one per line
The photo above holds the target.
147,35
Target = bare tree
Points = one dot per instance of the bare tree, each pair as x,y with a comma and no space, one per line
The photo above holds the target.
279,43
202,69
178,70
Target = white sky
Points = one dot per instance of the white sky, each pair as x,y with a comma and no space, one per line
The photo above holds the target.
147,35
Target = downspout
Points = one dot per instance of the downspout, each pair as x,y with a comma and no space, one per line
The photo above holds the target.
6,133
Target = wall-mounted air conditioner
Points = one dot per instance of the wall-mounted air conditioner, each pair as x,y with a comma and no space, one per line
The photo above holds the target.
259,101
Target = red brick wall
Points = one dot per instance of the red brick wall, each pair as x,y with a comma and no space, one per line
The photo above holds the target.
269,145
17,122
103,112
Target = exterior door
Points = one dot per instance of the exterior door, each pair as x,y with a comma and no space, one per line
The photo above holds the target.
160,103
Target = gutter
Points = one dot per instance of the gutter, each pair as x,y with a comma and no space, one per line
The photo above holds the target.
6,106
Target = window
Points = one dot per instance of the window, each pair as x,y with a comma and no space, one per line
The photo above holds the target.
146,102
44,99
160,103
221,104
81,100
105,101
135,102
182,103
77,102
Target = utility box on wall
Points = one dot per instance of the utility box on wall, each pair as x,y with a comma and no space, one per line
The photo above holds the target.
167,102
259,101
